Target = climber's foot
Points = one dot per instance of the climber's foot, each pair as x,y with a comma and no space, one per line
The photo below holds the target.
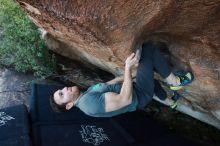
184,78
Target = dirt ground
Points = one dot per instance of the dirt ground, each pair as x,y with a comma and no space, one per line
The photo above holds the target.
184,125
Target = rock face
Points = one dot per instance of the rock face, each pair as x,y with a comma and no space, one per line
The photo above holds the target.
104,33
14,88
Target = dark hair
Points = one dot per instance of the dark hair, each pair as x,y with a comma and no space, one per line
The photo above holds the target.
56,107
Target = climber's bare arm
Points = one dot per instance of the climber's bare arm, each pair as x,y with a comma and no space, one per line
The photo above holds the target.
114,101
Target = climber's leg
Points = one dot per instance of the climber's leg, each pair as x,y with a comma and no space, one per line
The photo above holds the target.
150,59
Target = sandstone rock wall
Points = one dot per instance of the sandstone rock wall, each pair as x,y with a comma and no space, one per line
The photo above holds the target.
104,33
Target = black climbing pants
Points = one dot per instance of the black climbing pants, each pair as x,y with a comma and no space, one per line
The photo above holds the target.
151,60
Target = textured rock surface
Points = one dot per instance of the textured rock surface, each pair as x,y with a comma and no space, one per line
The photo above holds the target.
14,88
105,32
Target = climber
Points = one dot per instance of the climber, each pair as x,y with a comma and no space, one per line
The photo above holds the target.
121,94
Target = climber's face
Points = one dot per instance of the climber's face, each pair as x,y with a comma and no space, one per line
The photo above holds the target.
66,95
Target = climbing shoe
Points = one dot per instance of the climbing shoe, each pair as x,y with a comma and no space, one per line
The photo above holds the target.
176,96
185,79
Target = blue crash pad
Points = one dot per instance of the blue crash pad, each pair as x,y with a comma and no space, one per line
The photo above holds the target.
76,128
14,126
